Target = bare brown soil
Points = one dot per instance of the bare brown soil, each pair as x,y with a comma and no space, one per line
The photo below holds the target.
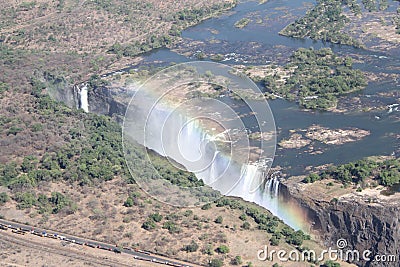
101,216
88,26
29,250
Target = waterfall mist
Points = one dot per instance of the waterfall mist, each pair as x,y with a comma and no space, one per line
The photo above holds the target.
205,135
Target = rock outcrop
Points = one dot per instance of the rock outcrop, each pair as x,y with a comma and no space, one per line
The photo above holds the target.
366,224
101,100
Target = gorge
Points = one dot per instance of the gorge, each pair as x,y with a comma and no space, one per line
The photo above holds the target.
363,225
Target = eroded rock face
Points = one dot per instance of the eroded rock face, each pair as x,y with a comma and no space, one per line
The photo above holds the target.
101,100
372,227
365,226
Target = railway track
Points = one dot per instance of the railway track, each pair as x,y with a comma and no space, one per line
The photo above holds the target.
11,238
15,229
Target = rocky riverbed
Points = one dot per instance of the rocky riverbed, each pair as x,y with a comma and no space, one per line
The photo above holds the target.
303,137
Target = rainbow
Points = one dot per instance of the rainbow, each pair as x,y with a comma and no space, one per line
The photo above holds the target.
172,129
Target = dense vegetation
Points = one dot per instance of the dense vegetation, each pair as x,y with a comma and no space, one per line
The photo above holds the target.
315,78
386,173
326,21
269,223
181,20
54,204
92,153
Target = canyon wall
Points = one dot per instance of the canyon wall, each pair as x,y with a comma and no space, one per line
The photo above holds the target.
365,226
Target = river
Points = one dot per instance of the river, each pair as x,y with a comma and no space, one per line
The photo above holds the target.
259,43
232,43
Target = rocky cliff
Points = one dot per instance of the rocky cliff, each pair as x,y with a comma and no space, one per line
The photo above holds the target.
110,101
103,100
365,221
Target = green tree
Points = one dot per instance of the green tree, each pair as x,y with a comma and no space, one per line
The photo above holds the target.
192,247
219,219
243,217
237,260
216,263
171,227
25,200
156,217
59,201
223,249
296,238
128,202
206,206
330,263
274,241
4,198
149,225
13,130
27,164
312,178
245,225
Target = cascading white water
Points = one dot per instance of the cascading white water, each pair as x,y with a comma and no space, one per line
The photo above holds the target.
275,187
84,102
268,185
276,190
198,154
266,196
204,135
186,142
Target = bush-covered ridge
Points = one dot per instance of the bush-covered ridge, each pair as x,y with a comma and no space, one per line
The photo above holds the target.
326,21
269,223
315,78
92,153
181,20
386,173
93,26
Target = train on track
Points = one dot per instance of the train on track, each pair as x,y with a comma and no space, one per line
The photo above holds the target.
24,230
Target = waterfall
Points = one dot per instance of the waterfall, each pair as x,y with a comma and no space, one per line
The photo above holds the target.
272,186
276,188
84,103
186,142
266,196
268,186
81,100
